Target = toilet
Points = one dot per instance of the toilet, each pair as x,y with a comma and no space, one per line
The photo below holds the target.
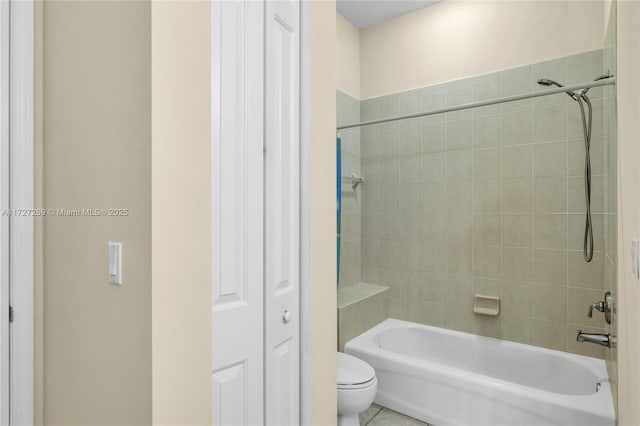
357,385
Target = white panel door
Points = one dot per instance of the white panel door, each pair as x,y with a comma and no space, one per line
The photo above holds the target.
238,212
282,213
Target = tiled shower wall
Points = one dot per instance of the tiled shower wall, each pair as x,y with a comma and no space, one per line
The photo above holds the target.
486,201
348,112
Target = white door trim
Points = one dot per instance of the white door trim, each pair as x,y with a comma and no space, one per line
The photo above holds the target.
21,244
306,361
5,115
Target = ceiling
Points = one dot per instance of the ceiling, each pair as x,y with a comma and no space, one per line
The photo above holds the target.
365,13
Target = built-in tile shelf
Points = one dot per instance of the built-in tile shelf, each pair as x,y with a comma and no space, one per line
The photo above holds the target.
354,293
361,306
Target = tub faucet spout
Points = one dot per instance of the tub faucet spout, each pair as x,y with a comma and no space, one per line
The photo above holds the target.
598,339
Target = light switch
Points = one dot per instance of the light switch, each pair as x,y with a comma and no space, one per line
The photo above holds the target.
634,258
115,263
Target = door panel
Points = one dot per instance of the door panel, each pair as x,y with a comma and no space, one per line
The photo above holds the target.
230,390
282,213
255,212
237,234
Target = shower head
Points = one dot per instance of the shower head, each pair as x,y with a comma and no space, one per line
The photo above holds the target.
547,82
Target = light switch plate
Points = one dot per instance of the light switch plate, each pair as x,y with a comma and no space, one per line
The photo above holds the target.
634,258
115,262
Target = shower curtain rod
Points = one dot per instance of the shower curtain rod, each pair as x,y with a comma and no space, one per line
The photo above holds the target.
605,82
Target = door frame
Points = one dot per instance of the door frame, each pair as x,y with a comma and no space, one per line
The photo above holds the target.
306,360
21,193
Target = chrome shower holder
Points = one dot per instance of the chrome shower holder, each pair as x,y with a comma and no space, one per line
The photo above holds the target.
354,180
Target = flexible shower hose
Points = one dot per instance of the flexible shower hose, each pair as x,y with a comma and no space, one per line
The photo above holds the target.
588,226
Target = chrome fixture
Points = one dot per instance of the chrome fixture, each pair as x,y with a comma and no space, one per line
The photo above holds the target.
354,180
602,77
581,97
598,339
604,82
602,306
547,82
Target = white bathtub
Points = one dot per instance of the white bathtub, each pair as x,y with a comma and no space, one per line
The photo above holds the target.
446,377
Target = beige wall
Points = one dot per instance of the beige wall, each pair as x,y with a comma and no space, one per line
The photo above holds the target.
457,39
607,12
628,95
322,56
347,57
96,149
105,94
181,176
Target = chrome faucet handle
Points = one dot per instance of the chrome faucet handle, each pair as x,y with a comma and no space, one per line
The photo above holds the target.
605,306
598,305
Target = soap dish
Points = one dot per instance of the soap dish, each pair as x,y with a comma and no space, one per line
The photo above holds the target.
486,305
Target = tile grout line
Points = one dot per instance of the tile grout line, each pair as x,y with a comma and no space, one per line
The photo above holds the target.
566,343
500,214
374,416
533,222
473,221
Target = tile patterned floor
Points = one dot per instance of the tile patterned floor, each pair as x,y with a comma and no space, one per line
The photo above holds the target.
380,416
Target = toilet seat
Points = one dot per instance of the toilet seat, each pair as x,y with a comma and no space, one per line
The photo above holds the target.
354,373
364,385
